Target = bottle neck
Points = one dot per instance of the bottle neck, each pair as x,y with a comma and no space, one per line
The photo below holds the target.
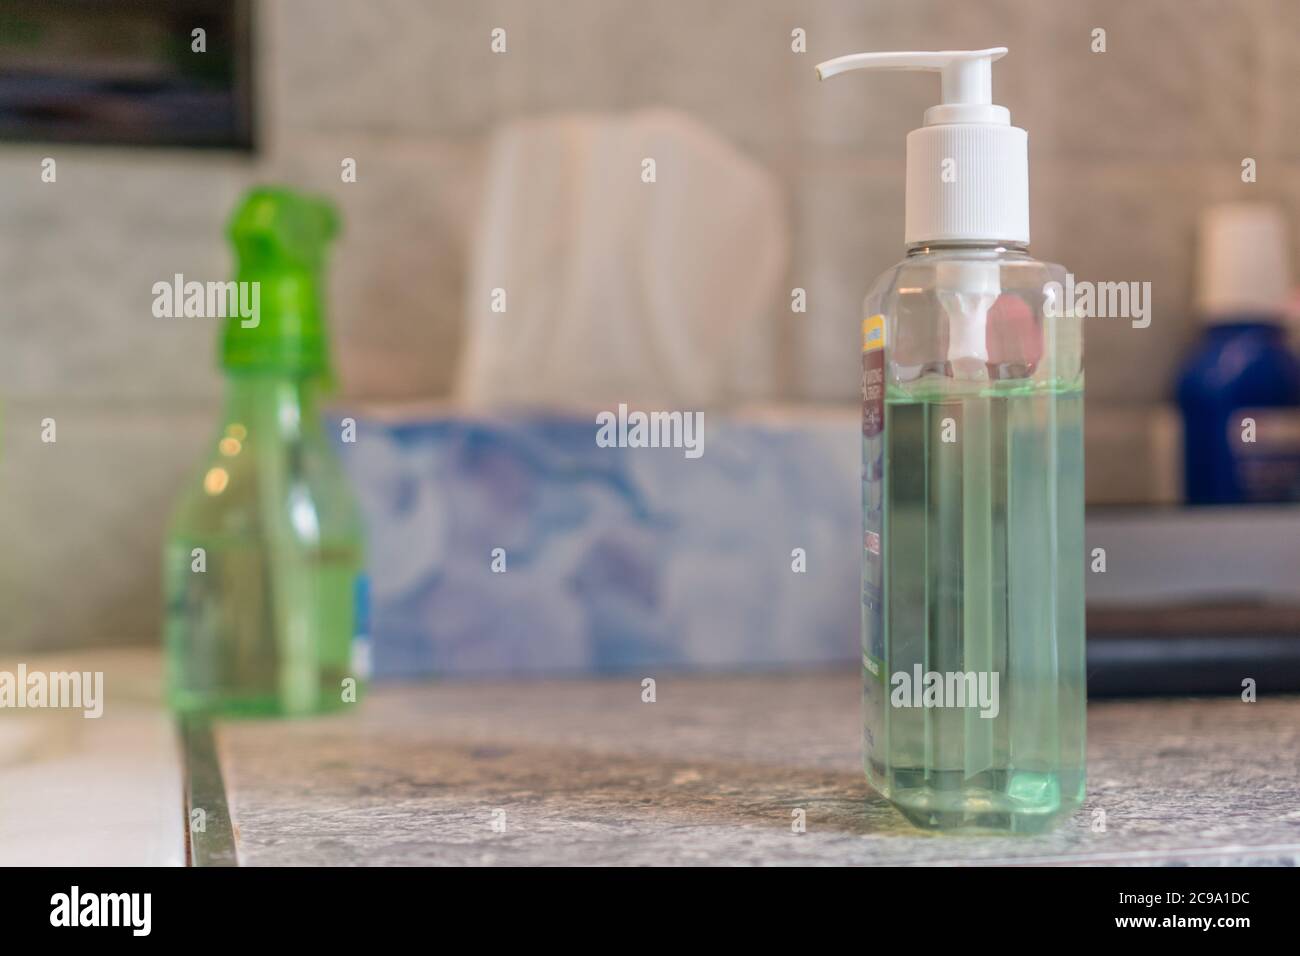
273,403
996,246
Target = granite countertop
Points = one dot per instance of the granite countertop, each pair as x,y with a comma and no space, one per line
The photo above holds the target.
584,772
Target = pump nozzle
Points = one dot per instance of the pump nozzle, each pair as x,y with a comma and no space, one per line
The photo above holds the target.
967,167
966,79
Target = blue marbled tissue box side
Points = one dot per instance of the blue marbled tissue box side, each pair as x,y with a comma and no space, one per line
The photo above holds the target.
617,560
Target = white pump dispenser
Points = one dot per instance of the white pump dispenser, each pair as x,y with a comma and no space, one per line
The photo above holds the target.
967,167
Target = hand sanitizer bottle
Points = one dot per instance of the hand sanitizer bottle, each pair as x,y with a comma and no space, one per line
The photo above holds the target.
972,485
262,572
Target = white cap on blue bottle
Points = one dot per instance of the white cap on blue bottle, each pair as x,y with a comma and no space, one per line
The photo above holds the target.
1242,262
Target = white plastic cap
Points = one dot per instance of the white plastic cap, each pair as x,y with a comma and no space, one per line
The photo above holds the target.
967,167
1242,262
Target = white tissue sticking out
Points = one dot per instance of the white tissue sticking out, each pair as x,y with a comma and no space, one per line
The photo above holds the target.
621,259
967,290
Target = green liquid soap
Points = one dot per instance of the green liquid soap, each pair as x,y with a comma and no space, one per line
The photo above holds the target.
264,589
983,573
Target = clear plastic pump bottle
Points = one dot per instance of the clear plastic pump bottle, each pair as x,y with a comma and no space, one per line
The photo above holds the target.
973,549
263,584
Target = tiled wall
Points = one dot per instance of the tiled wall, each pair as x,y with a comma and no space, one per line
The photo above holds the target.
1125,146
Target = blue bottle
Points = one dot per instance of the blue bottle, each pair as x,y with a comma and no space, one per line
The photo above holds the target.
1239,390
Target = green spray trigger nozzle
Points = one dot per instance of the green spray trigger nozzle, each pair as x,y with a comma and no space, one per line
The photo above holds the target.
280,238
276,226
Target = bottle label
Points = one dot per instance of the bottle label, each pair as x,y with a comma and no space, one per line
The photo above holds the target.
361,653
875,677
1265,445
873,494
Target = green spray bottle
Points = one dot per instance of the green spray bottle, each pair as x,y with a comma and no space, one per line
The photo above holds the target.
263,583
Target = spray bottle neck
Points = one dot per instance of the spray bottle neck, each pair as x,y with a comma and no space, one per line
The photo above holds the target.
284,404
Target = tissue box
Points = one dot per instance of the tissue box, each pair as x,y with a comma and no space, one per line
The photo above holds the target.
514,544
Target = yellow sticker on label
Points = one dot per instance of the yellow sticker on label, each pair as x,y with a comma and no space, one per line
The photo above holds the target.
873,333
